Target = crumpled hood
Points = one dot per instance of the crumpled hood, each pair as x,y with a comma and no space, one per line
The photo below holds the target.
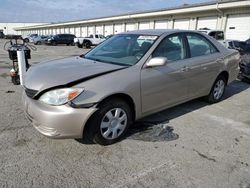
64,71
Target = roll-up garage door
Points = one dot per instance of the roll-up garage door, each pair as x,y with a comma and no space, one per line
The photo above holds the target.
62,30
72,30
130,26
163,24
207,22
67,30
181,24
144,25
54,31
238,27
91,30
118,28
84,32
108,29
78,32
99,30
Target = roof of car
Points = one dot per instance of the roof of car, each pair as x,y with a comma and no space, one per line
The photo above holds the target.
157,32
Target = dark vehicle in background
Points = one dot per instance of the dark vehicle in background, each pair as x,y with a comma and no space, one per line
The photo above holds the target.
67,39
1,35
13,36
248,41
244,48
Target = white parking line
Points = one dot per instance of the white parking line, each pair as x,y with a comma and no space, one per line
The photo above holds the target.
133,178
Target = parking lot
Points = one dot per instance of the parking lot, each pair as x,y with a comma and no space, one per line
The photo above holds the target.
191,145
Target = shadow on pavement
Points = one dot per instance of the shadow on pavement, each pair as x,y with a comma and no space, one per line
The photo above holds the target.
154,128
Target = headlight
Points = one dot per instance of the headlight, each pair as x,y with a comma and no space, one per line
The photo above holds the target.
60,96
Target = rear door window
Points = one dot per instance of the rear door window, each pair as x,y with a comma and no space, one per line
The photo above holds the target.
199,45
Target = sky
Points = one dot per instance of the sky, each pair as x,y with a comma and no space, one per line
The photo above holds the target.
68,10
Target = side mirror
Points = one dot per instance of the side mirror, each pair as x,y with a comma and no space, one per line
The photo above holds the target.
156,62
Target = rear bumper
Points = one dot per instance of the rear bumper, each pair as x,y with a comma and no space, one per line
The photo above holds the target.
56,121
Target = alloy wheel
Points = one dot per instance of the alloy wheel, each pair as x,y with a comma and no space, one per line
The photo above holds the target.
219,89
113,123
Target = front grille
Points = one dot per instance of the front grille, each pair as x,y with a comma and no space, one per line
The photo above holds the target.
30,93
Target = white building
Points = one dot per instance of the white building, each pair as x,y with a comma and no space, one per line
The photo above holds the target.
8,28
232,16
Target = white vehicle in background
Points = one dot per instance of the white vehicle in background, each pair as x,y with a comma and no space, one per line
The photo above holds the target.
41,39
217,34
30,37
87,42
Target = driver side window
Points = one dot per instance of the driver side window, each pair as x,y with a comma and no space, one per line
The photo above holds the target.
172,47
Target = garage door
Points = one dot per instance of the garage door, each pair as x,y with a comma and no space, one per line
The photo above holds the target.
130,26
99,30
207,22
67,30
144,25
78,32
181,24
91,30
72,30
54,31
163,24
238,27
118,28
84,32
62,30
108,30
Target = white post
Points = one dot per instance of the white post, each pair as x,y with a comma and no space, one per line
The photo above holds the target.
21,65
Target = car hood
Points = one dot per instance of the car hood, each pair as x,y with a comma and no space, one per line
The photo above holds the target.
65,72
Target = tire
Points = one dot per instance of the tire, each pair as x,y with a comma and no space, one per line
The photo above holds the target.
72,44
87,44
26,40
38,43
104,123
54,43
217,91
79,45
15,80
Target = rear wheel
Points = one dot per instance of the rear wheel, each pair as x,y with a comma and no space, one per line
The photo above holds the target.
110,123
217,90
39,43
87,44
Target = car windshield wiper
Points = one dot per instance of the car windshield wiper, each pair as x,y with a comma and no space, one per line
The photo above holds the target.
104,61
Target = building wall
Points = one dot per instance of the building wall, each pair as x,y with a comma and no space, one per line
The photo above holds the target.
188,19
8,28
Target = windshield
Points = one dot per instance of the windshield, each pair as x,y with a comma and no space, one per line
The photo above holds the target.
125,49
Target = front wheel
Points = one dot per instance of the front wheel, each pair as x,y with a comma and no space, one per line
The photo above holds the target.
217,90
110,123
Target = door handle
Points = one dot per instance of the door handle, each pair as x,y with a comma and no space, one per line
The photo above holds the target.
220,60
185,69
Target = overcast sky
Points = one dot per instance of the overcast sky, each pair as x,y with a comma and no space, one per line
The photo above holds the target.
67,10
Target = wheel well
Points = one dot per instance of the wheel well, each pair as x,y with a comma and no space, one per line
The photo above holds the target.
85,41
126,98
225,75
